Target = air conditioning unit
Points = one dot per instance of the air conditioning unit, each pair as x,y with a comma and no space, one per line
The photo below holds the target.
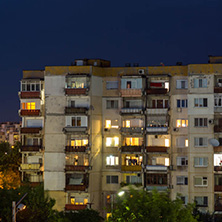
175,129
211,121
179,110
141,71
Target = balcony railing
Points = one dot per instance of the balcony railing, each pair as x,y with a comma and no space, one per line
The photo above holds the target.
75,168
156,91
131,111
31,95
157,187
217,168
156,168
138,130
131,92
156,111
73,149
131,149
218,188
31,166
157,129
70,129
73,110
79,91
33,148
76,187
218,129
157,149
131,168
217,149
29,112
75,207
217,89
31,130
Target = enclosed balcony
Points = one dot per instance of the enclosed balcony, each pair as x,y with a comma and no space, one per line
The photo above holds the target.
75,149
131,168
156,111
157,149
156,181
132,130
160,168
30,95
31,148
80,91
218,149
157,125
31,112
70,129
131,149
218,182
76,110
76,168
131,162
74,207
157,129
131,111
76,181
156,91
31,130
131,92
75,187
132,145
31,166
76,162
157,86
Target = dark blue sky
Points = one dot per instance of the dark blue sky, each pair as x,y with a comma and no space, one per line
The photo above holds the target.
55,32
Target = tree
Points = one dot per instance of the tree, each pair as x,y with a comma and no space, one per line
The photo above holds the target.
141,206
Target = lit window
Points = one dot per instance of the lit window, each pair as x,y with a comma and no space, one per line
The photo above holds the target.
78,200
112,141
182,123
112,161
133,141
78,142
108,124
167,142
186,142
127,123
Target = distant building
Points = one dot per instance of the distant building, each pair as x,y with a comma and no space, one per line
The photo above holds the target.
10,132
89,129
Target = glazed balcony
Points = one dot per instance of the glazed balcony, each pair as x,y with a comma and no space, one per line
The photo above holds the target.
78,91
29,112
76,110
31,130
217,188
218,129
70,129
160,168
131,149
74,149
75,207
30,95
217,168
157,187
217,89
156,111
157,149
131,111
131,168
131,130
76,168
30,166
156,91
217,149
157,129
75,187
131,92
30,148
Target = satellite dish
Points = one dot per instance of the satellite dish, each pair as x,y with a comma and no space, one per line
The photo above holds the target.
214,142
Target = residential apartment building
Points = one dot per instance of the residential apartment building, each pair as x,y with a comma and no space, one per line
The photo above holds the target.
89,130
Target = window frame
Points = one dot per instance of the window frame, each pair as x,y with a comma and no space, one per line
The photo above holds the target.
110,179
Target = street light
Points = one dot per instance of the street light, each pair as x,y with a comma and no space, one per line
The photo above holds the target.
121,193
16,207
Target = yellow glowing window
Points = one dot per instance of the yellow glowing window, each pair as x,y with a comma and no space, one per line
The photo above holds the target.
112,141
72,200
127,123
167,142
28,105
182,123
178,123
108,124
186,143
84,142
108,141
167,161
32,105
23,105
132,141
78,143
85,201
116,141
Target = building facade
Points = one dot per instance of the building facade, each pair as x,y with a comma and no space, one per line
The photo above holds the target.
89,130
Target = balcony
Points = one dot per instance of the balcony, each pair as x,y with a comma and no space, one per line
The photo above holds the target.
156,111
33,148
156,149
131,111
31,130
131,92
131,130
217,149
74,149
131,168
75,207
78,91
217,129
29,112
217,188
76,110
30,166
157,129
217,89
75,168
70,129
131,149
218,207
157,187
217,168
75,187
156,91
30,95
160,168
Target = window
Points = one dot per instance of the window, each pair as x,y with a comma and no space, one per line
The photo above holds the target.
182,103
182,180
76,82
201,201
133,141
111,85
182,142
182,123
28,106
158,179
112,141
182,84
160,103
200,122
200,161
30,86
76,121
112,179
133,179
200,181
200,102
112,161
78,200
78,142
200,83
217,101
184,199
200,141
182,161
111,124
112,104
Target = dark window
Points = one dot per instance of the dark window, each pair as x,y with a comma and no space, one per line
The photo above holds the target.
128,84
112,104
205,102
112,179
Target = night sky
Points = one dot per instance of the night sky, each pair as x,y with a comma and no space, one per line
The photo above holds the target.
36,33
